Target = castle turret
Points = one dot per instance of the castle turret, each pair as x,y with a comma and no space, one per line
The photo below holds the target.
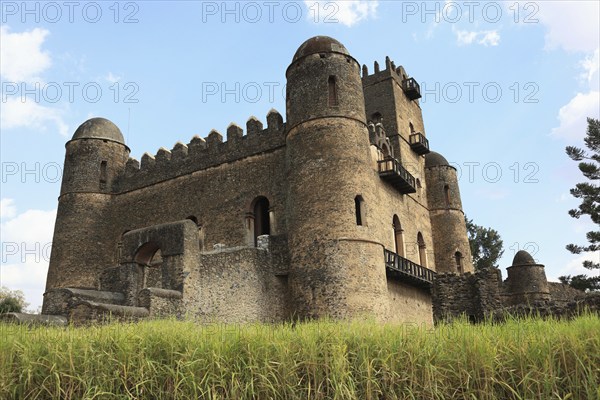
337,268
95,156
452,251
526,281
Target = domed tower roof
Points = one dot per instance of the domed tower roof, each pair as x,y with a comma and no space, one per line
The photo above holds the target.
320,44
433,159
99,128
523,258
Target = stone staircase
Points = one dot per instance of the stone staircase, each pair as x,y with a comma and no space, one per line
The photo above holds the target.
80,306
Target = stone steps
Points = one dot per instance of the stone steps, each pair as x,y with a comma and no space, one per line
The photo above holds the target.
86,311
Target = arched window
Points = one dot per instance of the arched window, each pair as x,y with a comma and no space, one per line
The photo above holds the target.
193,218
377,117
411,127
332,87
447,195
458,258
262,223
418,183
359,208
422,250
398,236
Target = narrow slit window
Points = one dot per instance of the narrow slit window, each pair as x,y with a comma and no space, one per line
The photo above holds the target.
103,174
447,195
359,210
458,259
333,96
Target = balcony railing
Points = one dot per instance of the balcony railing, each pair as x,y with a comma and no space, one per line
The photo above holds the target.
419,143
405,270
411,88
390,170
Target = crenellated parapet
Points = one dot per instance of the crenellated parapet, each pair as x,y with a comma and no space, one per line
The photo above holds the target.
201,153
390,71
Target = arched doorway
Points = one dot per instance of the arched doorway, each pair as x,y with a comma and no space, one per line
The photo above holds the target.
398,236
260,217
150,262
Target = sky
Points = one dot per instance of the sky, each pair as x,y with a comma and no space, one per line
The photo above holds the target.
506,87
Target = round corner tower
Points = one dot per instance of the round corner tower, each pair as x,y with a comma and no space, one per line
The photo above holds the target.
452,250
337,268
526,281
82,245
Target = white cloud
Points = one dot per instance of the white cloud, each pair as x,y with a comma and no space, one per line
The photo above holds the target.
21,56
111,78
490,38
485,38
575,266
572,25
29,114
26,243
7,208
573,116
347,12
590,66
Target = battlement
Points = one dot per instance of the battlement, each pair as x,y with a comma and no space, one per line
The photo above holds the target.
390,71
201,153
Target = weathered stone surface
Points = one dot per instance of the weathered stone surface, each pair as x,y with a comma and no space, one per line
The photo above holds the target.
285,222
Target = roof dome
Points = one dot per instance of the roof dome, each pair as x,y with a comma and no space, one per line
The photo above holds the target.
99,128
523,258
433,159
320,44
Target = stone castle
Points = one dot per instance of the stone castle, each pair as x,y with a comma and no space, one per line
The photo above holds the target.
340,211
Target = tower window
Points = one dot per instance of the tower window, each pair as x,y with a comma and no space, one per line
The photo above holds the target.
103,175
332,86
359,209
412,128
458,259
447,195
398,236
422,250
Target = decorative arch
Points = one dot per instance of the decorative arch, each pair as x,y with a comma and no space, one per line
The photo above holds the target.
398,236
422,250
144,255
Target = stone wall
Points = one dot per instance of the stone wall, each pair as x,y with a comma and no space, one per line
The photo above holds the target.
473,295
237,285
483,295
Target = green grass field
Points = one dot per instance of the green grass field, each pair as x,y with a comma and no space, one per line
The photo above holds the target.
527,359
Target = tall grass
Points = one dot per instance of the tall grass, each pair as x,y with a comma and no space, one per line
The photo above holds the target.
520,359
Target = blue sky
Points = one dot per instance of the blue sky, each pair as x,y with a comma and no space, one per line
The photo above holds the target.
506,86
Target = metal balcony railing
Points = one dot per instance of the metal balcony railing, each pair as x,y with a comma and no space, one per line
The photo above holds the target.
405,270
419,143
393,172
411,88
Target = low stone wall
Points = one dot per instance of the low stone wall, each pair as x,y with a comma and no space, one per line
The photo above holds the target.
471,295
587,302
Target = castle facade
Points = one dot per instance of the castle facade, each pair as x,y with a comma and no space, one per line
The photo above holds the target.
340,211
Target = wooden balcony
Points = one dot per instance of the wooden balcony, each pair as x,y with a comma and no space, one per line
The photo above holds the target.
390,170
419,143
404,270
411,88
